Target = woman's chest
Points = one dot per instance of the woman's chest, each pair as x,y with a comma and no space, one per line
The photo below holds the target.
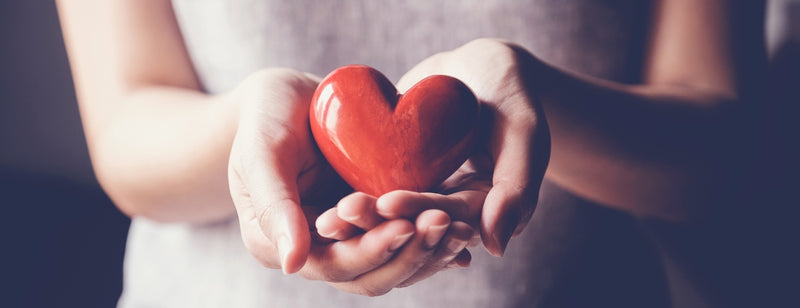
230,39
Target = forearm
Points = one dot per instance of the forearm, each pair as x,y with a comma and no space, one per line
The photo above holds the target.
652,150
163,154
159,145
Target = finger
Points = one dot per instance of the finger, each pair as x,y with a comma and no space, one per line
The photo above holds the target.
312,214
262,249
430,66
431,227
474,174
454,242
260,246
329,225
270,149
463,205
521,149
345,260
359,209
283,223
463,260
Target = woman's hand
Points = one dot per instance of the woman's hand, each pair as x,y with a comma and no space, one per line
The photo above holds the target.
277,180
494,191
275,168
272,160
439,242
513,150
459,199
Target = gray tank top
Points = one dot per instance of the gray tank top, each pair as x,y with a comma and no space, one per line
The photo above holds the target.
176,265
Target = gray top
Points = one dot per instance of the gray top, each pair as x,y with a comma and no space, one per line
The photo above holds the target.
208,266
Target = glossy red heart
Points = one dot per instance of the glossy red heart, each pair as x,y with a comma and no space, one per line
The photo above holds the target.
379,141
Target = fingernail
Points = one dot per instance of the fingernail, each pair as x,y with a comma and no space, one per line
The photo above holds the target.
503,242
505,228
350,218
503,235
434,235
329,235
399,240
455,245
384,213
284,246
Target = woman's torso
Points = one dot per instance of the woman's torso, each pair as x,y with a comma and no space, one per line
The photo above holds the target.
568,248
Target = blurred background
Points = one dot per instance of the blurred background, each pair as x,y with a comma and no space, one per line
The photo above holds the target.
67,239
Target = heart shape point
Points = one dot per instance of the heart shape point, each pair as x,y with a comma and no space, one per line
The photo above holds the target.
379,141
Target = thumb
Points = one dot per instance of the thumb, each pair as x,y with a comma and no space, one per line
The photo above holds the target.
282,221
277,207
521,149
270,184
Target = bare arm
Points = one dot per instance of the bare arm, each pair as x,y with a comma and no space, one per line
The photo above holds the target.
670,148
164,150
147,123
667,148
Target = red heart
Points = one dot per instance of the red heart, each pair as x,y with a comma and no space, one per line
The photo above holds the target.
379,141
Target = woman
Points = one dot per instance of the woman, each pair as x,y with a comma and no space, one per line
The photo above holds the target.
179,119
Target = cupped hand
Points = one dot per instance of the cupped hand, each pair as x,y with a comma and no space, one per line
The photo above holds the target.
439,242
495,190
460,201
515,136
276,173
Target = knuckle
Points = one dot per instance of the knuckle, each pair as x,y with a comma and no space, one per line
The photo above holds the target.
263,215
266,214
491,46
498,61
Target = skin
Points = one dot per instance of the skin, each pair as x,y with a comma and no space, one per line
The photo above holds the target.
165,150
696,77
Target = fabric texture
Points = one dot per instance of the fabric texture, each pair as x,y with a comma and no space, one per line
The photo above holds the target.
574,253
